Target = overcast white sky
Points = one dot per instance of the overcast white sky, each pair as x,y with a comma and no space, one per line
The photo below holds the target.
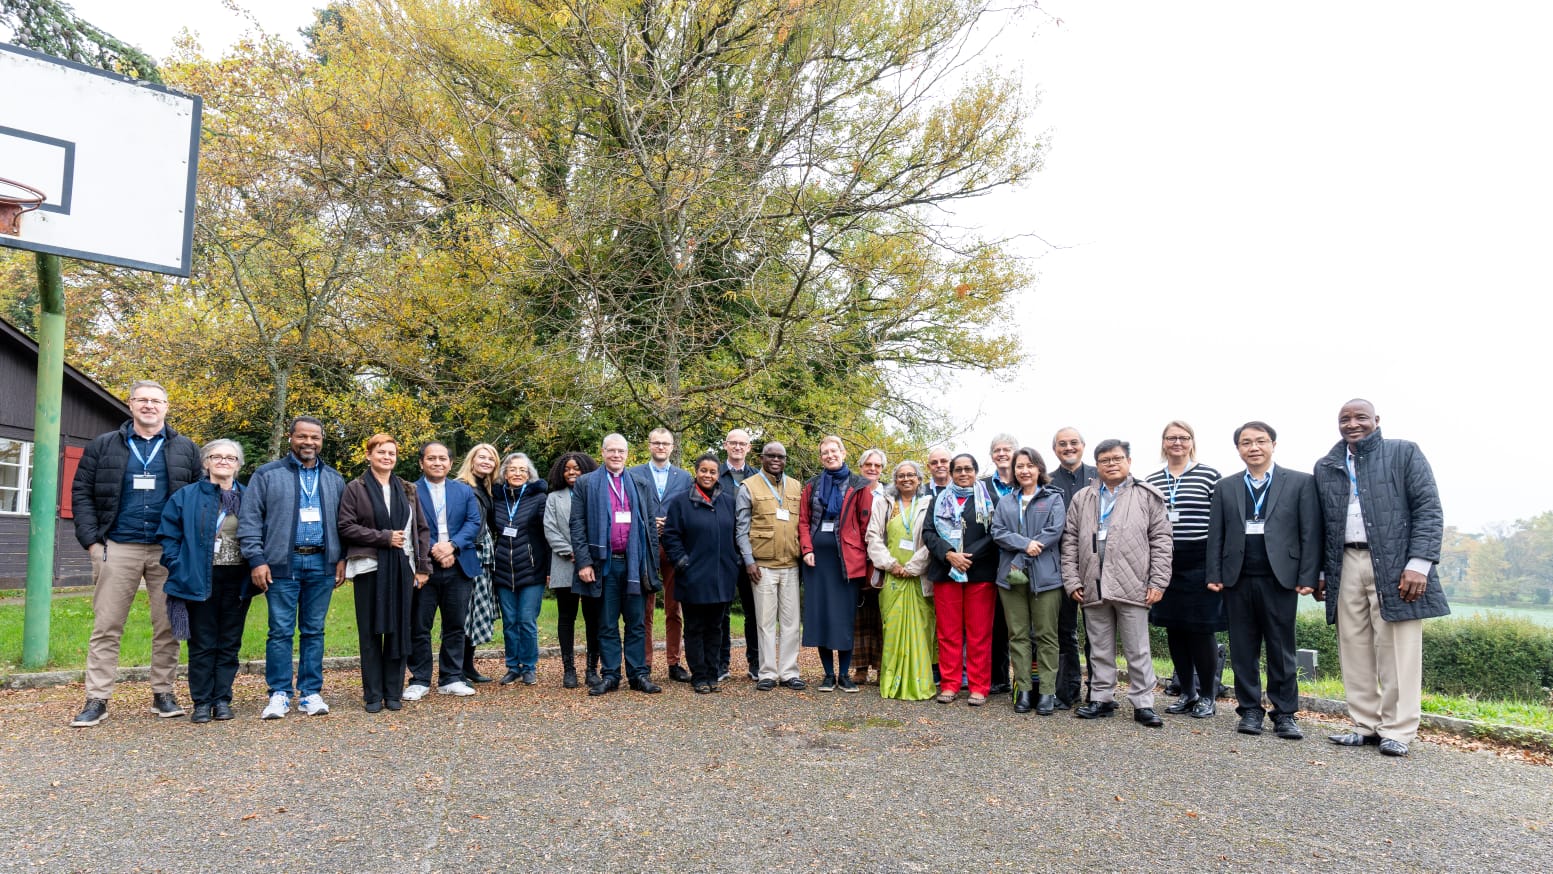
1264,210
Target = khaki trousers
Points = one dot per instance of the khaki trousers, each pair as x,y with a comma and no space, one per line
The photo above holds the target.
1101,623
777,620
116,580
1383,662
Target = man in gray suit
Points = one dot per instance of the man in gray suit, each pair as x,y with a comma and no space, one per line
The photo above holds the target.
1264,551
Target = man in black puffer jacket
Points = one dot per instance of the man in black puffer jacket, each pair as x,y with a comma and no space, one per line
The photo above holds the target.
124,479
1383,526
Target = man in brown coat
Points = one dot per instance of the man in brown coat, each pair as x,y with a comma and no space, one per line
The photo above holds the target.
1116,553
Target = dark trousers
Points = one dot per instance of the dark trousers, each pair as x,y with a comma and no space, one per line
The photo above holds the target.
567,606
704,640
1070,671
1000,644
382,678
447,591
751,627
1196,657
617,606
1262,612
216,635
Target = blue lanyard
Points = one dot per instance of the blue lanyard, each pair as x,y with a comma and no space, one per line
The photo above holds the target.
145,462
910,514
621,491
1256,507
999,487
1106,508
661,485
781,501
1175,483
307,494
512,505
1353,481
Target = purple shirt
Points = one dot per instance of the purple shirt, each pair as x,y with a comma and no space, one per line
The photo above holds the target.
619,532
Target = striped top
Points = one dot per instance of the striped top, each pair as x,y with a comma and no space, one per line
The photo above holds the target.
1193,495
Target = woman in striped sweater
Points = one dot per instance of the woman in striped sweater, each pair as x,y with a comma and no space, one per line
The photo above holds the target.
1189,613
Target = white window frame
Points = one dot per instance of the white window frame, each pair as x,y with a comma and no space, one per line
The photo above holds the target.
23,479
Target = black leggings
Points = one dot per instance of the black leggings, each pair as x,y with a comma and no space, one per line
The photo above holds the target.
567,603
1196,656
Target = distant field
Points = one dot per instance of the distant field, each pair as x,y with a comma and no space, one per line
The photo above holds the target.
1541,616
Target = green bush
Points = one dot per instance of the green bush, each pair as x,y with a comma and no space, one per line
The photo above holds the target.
1482,657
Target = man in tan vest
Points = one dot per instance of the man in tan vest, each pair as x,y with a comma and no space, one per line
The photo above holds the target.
767,534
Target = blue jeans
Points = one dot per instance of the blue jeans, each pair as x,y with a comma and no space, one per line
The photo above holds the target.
616,604
301,600
520,625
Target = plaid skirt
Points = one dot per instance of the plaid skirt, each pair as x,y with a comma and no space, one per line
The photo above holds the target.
480,625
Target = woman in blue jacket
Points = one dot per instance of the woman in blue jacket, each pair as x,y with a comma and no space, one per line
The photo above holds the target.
1027,526
698,537
522,562
207,594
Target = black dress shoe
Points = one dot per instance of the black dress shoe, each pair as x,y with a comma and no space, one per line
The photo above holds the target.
703,688
1354,739
510,677
1045,705
592,677
678,674
645,684
604,686
1205,708
221,711
474,676
569,679
1022,703
796,684
529,678
765,685
374,707
1286,728
201,713
1389,747
1000,689
394,704
1182,705
165,704
1147,716
1063,705
1095,710
1251,723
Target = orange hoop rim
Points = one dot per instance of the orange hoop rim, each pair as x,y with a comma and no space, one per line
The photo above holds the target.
31,202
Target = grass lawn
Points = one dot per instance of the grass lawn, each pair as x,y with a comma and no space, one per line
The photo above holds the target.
70,627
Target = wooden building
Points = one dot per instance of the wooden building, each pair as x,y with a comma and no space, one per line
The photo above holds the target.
86,410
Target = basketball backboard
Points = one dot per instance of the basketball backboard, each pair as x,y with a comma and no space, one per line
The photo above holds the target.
115,157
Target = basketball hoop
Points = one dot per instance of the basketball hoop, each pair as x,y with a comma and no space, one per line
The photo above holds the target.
12,205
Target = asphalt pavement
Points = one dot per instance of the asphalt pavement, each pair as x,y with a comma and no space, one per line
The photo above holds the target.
546,779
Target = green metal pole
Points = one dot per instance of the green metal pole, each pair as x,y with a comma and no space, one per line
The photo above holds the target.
45,464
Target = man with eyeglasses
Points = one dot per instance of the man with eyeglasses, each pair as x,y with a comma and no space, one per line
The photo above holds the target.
1383,530
658,481
1264,551
938,471
1116,554
121,484
1071,476
289,533
735,470
766,530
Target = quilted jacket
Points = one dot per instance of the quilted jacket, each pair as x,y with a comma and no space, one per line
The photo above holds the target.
1138,545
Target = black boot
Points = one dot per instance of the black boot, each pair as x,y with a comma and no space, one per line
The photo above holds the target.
1022,701
569,675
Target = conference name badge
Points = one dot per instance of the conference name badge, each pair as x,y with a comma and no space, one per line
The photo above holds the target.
622,517
312,514
144,482
783,515
509,531
1255,527
827,526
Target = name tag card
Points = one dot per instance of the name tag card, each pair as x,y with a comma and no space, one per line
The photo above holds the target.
783,515
509,531
1175,516
622,517
1255,527
906,544
144,482
827,526
1101,536
312,514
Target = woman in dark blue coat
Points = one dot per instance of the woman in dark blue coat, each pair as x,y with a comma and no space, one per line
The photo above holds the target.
207,577
698,537
522,562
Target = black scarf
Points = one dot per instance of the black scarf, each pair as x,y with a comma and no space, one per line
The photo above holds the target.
395,576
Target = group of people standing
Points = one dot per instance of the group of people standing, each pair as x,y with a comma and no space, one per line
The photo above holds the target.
941,579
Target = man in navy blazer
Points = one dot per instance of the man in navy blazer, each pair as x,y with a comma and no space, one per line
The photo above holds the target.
453,513
658,481
616,546
1264,551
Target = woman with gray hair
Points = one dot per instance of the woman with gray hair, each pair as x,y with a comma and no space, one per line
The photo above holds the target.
868,625
207,592
522,563
895,547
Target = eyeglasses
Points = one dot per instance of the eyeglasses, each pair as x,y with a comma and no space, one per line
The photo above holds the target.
901,476
155,402
1111,460
660,443
1261,441
228,459
940,463
962,469
1175,439
1070,444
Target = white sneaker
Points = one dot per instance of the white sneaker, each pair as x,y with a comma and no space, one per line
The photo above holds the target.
313,705
415,692
459,688
279,706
